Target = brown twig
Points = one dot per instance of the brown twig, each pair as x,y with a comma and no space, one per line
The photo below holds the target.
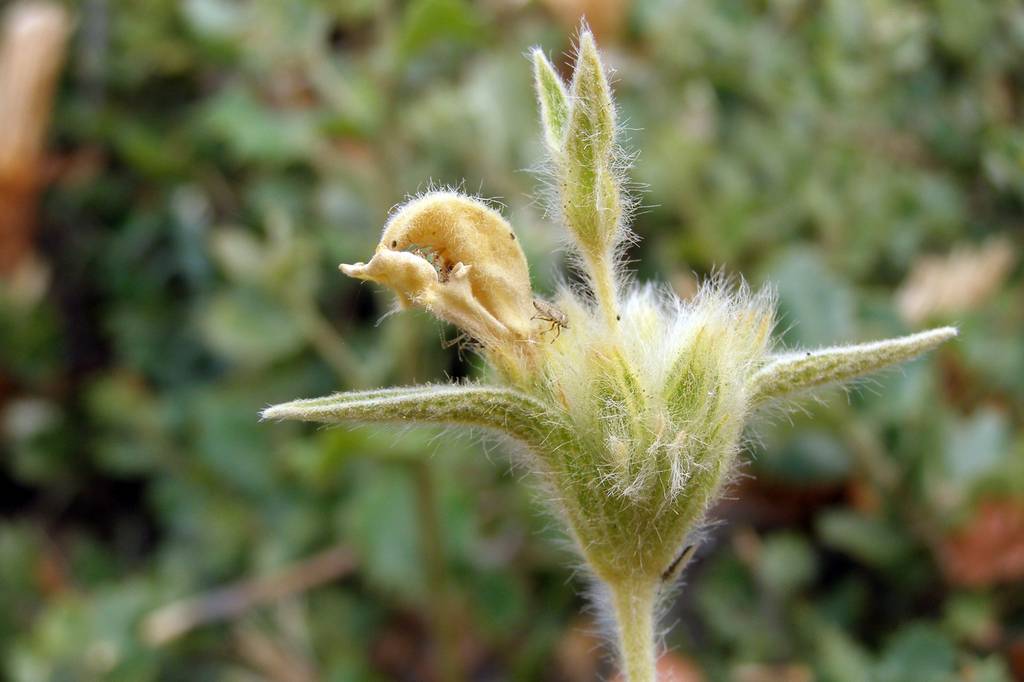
173,620
31,52
271,657
442,604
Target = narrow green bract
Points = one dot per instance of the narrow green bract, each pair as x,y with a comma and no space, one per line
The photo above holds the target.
588,180
793,372
497,409
554,102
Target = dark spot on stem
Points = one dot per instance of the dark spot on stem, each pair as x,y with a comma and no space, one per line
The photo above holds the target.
394,243
670,572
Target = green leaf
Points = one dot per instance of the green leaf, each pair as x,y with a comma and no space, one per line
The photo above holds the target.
498,409
866,539
256,133
808,456
380,521
798,371
815,303
500,601
246,327
430,21
840,658
786,564
592,115
971,616
919,653
591,200
976,447
554,101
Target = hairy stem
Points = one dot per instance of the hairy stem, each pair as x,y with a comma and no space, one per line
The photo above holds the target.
633,601
603,278
177,618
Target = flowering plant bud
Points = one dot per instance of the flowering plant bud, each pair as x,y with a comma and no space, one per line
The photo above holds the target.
459,259
554,102
580,130
629,402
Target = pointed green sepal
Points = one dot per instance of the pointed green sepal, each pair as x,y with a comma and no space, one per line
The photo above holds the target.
554,101
793,372
498,409
592,115
590,191
589,171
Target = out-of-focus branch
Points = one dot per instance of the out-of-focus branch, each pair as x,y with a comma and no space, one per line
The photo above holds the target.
272,658
32,40
442,604
330,345
170,622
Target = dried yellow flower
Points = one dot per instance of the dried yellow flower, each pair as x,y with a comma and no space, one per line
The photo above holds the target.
458,258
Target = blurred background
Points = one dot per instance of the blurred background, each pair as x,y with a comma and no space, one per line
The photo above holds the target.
179,180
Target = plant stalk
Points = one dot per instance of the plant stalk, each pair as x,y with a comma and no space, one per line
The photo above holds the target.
437,576
603,280
633,601
330,345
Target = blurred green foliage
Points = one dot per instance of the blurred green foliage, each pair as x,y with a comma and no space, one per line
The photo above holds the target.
219,158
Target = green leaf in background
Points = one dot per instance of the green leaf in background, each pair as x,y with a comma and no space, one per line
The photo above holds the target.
30,341
975,447
917,653
380,520
20,549
41,445
812,457
155,154
228,441
729,605
839,657
866,539
430,21
92,639
500,601
131,423
815,296
988,669
245,326
213,18
253,133
972,617
786,564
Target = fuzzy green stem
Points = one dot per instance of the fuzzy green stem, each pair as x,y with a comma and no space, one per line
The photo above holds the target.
603,278
633,601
